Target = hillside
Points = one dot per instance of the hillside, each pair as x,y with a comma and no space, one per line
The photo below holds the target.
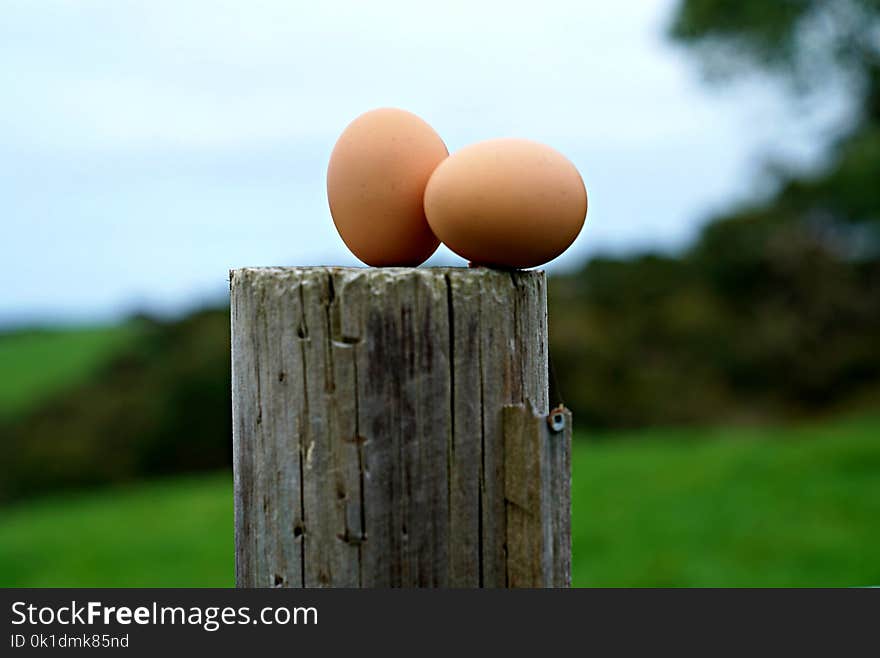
36,364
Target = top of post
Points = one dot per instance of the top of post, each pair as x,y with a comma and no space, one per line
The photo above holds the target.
472,273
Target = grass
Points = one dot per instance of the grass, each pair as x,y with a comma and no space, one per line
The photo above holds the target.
36,364
735,507
783,507
174,533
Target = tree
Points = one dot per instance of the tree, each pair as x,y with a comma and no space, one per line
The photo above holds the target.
773,312
809,43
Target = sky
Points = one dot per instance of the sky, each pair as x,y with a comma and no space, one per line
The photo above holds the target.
148,147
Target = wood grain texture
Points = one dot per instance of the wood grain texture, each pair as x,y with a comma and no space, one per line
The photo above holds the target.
538,498
370,430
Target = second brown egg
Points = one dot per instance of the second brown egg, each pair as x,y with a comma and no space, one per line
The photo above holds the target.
506,203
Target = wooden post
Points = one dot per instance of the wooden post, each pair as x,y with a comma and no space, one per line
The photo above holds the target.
390,430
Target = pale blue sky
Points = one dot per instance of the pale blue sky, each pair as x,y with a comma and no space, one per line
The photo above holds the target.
147,147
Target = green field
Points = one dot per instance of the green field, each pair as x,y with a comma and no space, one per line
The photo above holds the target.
175,533
786,507
36,364
796,507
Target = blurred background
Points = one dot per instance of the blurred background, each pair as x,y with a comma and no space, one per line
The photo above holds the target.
715,328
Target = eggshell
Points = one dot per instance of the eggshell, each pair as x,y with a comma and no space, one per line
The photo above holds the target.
506,202
376,183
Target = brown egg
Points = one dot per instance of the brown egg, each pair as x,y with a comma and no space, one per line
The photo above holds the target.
506,202
376,183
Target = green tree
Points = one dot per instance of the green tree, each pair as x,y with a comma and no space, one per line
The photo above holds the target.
816,45
774,311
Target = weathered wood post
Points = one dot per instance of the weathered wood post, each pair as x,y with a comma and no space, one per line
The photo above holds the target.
391,430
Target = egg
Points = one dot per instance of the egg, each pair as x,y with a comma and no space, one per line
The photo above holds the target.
506,203
376,183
